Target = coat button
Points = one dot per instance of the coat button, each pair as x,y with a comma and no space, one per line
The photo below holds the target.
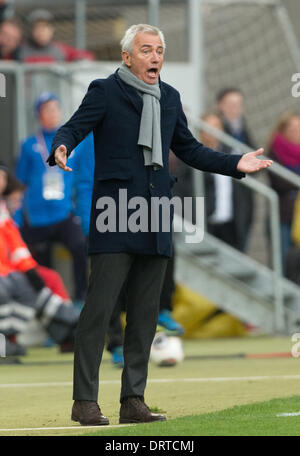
151,185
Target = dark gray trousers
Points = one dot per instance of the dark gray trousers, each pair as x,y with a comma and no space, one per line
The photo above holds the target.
145,274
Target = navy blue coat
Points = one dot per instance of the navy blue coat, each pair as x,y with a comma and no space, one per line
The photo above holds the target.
112,109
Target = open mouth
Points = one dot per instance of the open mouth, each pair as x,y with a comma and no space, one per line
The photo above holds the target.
152,72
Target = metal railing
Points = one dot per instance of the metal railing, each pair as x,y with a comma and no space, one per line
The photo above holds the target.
62,72
273,199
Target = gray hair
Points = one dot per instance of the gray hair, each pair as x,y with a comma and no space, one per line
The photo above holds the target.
128,39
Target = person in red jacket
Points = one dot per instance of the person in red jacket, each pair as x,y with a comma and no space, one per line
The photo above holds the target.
41,47
13,197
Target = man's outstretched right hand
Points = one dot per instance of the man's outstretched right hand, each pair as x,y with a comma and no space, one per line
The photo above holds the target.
60,156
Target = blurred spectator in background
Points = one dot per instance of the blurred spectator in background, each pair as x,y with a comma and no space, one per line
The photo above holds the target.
284,148
166,322
13,196
27,291
3,9
41,47
83,171
48,204
11,34
13,193
220,204
230,106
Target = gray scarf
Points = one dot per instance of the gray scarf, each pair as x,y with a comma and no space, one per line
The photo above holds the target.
150,133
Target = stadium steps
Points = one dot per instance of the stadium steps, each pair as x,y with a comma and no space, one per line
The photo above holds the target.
235,283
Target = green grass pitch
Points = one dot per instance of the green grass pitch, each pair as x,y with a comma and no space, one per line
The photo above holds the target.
214,391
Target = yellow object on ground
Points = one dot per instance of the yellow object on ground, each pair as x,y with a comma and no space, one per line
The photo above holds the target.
201,318
296,222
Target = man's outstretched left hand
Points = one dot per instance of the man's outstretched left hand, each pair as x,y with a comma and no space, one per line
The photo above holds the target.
250,163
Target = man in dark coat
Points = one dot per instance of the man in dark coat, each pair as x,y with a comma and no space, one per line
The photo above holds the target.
136,119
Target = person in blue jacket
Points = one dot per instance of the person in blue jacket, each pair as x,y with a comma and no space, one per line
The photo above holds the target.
83,174
48,207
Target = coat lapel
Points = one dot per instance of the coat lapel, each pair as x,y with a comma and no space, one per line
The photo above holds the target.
131,93
163,96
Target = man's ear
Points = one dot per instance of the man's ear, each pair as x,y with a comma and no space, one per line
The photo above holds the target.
126,57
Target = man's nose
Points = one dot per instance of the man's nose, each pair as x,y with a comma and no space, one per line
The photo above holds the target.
155,57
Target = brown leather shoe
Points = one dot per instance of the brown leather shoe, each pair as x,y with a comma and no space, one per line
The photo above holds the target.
88,413
134,410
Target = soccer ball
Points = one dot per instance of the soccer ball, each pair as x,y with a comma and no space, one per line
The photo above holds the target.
166,350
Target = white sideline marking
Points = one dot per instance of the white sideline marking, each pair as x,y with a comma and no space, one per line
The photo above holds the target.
66,427
160,380
289,414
